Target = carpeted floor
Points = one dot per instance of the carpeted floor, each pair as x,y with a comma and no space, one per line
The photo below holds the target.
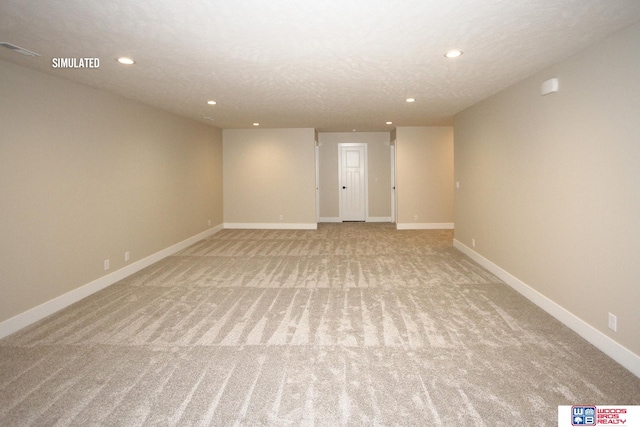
352,324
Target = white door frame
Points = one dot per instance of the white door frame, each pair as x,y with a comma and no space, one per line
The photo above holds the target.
366,176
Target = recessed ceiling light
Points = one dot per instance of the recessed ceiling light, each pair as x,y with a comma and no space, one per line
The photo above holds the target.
256,124
453,53
389,123
211,102
410,100
126,61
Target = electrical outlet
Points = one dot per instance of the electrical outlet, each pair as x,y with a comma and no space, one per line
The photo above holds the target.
473,242
126,256
613,322
280,217
415,217
106,264
209,222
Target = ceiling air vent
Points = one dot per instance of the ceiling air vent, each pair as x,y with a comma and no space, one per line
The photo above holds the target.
18,49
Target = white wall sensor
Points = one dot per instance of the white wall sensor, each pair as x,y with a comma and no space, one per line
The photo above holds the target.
549,86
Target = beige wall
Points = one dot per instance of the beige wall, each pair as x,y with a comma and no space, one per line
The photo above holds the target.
550,186
86,176
328,178
379,172
268,173
424,176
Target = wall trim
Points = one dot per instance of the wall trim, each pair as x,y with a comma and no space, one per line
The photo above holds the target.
379,219
271,226
56,304
425,226
329,219
608,346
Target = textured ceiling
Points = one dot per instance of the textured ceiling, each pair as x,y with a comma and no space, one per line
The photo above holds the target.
335,65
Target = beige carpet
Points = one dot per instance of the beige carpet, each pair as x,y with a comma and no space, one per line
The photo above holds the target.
352,324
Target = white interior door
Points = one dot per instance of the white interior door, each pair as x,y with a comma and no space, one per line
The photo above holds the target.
353,181
317,182
393,182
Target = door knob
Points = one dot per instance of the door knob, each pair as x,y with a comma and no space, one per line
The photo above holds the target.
343,187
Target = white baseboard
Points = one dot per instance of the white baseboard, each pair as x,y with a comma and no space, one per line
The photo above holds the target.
271,226
28,317
610,347
425,226
379,219
329,219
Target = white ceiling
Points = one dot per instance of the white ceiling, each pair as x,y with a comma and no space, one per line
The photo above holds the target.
335,65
